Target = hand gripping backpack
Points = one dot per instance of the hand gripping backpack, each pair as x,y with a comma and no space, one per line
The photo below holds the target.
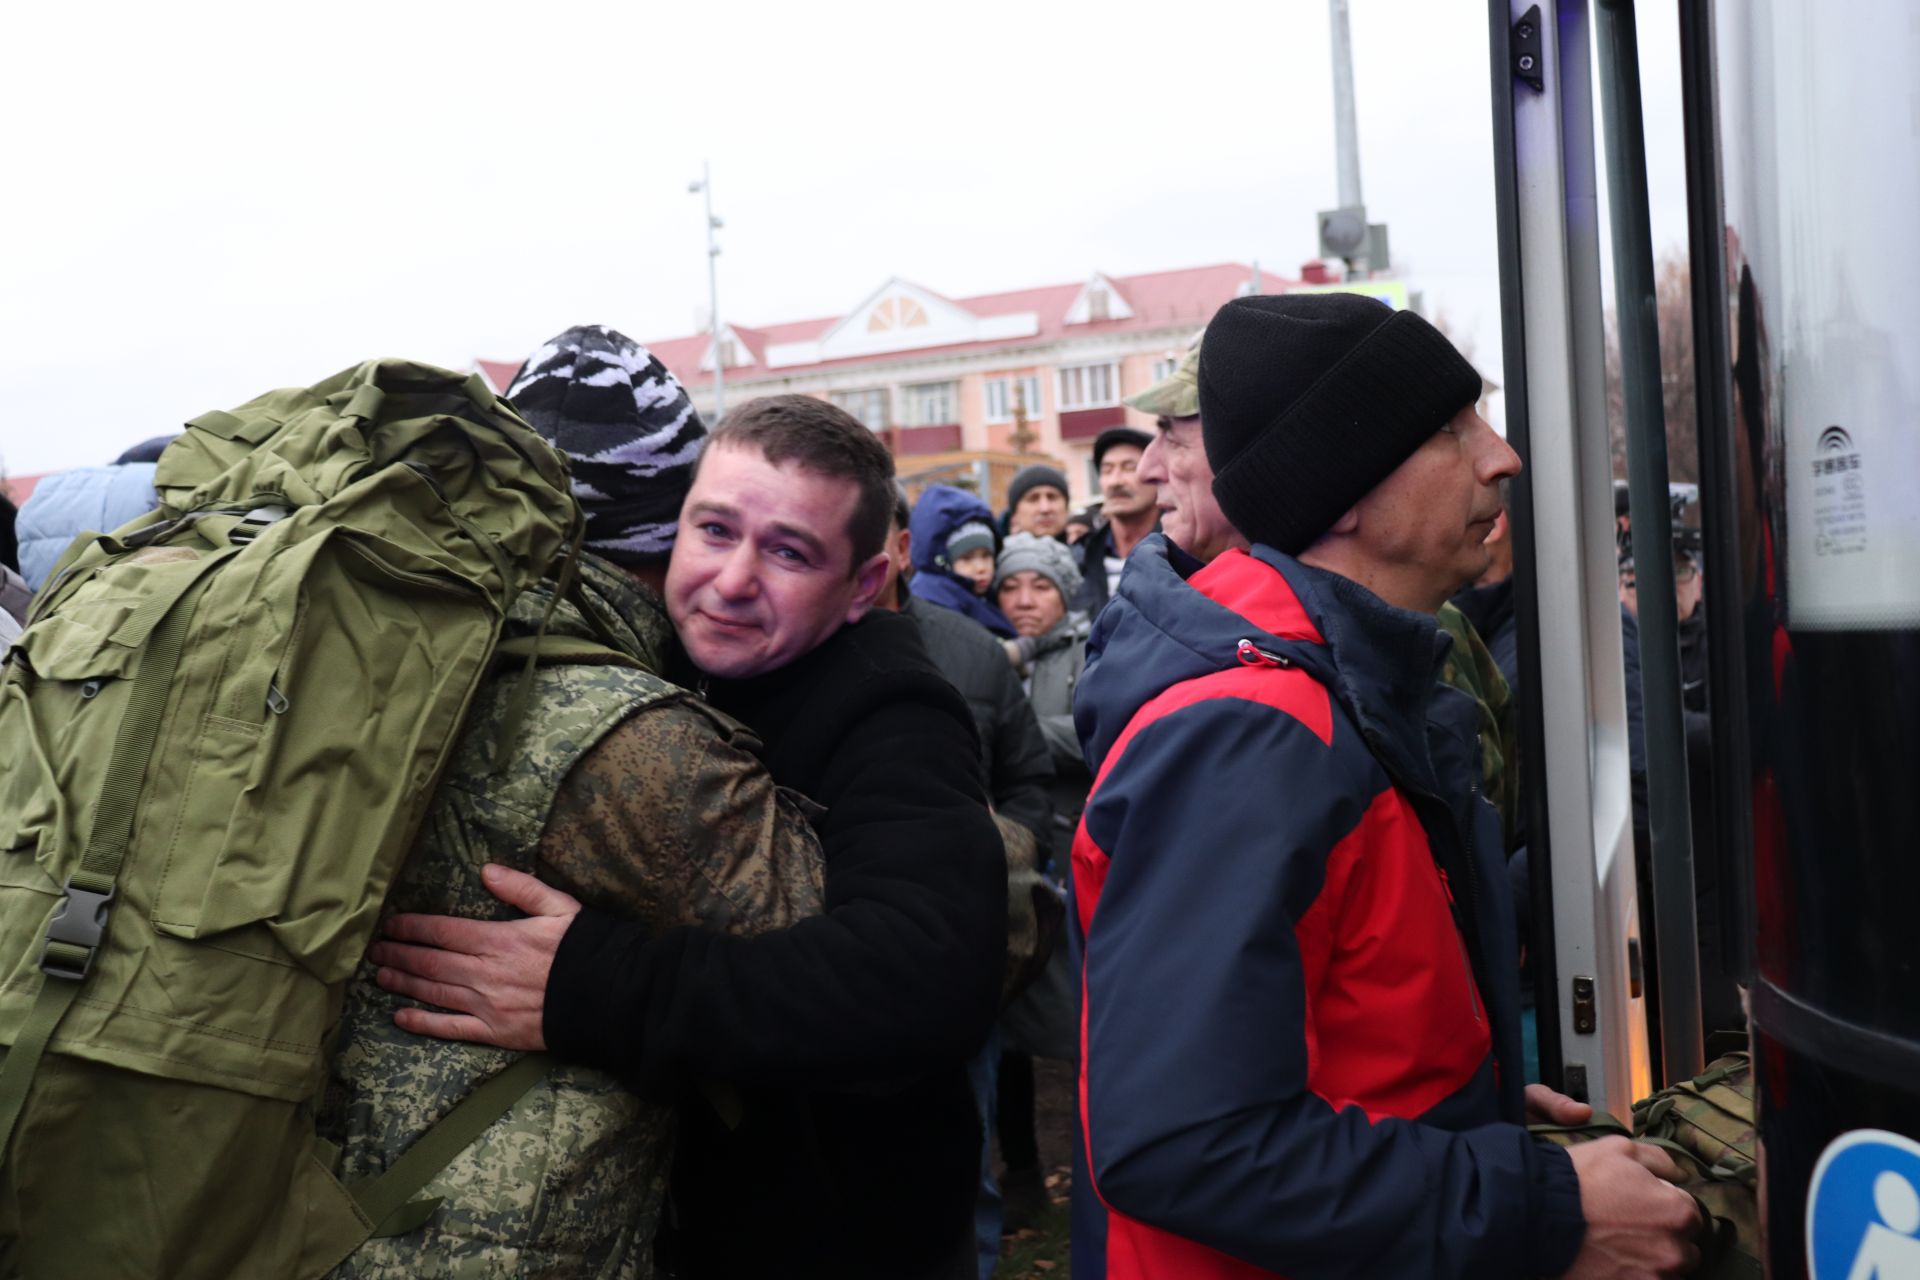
218,734
1706,1124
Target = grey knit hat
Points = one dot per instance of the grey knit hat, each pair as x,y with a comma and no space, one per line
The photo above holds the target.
1048,557
628,429
974,535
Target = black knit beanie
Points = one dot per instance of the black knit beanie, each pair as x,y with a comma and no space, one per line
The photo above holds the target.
1033,476
1307,401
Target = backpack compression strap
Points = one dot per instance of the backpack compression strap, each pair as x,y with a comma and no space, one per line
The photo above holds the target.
387,1198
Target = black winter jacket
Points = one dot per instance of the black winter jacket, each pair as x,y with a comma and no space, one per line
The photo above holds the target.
846,1036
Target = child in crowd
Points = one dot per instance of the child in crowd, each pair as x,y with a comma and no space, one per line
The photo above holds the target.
953,555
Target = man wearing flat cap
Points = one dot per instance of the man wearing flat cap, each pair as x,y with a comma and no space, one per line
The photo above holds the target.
1128,505
1301,1004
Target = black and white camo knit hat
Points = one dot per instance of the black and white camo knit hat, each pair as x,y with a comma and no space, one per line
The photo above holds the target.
629,430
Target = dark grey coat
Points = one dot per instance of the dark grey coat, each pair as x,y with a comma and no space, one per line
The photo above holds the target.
1011,743
1053,676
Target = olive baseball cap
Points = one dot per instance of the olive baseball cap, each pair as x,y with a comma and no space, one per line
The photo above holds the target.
1175,396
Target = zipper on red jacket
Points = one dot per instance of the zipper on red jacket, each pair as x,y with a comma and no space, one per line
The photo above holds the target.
1252,655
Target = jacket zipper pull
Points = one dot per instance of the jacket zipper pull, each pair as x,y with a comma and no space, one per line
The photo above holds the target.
1252,655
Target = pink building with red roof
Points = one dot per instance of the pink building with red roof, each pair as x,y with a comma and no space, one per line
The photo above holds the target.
940,376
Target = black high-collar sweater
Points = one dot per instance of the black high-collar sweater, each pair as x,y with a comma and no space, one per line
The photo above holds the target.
847,1035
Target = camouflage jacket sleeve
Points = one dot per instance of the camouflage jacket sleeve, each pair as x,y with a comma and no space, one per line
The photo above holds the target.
672,820
1471,669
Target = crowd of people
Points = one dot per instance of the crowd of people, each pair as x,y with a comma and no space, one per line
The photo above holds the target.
1212,794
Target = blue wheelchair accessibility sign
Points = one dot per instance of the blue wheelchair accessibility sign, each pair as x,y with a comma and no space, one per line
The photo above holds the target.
1863,1209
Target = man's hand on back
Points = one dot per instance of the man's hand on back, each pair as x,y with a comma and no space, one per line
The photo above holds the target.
491,973
1639,1227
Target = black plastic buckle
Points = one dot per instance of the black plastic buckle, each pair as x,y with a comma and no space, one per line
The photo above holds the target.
255,523
79,921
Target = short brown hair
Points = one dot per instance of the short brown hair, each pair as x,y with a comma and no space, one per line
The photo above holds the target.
826,439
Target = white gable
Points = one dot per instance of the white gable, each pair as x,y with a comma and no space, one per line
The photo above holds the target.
739,354
1098,300
901,316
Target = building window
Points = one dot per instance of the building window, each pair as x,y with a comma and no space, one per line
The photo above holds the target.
1002,394
1089,386
931,404
1099,305
896,313
869,405
1163,369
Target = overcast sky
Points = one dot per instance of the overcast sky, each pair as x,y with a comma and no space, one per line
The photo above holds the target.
208,200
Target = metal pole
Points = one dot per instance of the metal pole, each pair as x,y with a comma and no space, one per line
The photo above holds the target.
705,185
1581,690
1675,931
1346,129
1543,951
1719,493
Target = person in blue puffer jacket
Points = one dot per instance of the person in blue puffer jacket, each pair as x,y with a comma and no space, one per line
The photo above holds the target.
951,527
87,499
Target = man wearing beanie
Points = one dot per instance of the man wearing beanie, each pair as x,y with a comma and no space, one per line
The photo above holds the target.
1037,502
1302,1050
623,791
1128,504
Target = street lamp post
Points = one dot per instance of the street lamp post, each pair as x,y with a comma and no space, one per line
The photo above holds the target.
703,185
1345,232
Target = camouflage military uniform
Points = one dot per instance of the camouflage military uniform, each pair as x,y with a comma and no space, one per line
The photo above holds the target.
639,799
1471,669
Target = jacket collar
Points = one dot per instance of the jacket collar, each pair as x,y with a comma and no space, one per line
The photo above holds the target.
1174,619
1386,662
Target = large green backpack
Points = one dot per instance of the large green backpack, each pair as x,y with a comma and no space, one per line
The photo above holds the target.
218,735
1706,1124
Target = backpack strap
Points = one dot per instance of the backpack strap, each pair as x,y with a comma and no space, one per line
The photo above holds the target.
386,1199
78,926
551,649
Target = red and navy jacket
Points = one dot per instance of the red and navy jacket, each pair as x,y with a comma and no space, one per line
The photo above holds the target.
1300,995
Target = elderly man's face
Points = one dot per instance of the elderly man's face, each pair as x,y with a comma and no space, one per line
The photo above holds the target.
1430,518
1125,494
1041,511
1031,602
1176,465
